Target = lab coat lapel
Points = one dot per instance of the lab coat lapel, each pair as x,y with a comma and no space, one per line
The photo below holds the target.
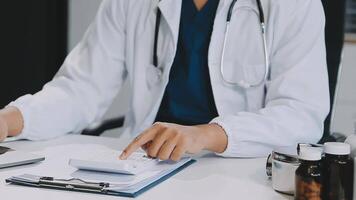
171,11
169,29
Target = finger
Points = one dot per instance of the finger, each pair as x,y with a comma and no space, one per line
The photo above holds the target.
2,137
142,139
137,143
157,143
167,149
146,146
177,153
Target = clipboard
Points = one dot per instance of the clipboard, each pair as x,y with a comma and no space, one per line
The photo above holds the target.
78,185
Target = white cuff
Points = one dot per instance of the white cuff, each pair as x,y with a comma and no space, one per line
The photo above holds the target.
228,132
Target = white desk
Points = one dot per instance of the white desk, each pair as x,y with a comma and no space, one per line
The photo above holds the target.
209,178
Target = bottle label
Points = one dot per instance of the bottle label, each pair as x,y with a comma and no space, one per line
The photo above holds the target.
307,189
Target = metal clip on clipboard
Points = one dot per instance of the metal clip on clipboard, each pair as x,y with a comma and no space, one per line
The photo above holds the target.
74,184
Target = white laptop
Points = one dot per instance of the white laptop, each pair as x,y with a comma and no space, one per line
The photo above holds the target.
11,158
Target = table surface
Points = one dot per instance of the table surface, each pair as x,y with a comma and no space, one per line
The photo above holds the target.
211,177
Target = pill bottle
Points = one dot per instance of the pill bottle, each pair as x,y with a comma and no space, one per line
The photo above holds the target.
337,172
308,180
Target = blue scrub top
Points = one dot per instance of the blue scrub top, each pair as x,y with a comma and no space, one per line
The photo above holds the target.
188,98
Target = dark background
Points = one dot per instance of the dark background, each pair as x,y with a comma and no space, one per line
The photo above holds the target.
33,43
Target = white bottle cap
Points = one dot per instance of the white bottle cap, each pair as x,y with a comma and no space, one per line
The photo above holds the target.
310,154
337,148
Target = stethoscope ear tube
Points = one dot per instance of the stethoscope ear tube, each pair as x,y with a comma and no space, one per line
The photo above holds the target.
260,10
229,14
158,20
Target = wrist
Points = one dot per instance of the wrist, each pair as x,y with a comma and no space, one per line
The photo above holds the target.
214,137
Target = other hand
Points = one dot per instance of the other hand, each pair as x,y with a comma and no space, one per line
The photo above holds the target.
4,130
11,122
171,141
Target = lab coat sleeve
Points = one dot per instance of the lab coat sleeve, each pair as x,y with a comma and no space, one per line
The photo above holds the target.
86,84
297,100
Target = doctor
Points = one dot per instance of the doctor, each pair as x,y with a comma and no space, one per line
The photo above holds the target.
233,77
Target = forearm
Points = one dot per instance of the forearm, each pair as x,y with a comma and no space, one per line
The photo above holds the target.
13,119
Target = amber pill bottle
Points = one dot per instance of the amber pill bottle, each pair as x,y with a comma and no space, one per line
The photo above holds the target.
308,182
337,172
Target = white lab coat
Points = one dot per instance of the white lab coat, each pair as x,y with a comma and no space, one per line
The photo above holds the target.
119,45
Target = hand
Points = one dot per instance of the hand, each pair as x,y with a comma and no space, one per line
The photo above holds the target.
11,122
4,130
171,141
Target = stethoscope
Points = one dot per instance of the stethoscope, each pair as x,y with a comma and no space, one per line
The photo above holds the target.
242,83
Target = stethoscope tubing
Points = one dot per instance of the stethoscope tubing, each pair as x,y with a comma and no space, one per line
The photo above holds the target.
242,83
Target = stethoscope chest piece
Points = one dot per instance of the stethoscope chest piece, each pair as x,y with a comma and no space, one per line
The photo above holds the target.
153,76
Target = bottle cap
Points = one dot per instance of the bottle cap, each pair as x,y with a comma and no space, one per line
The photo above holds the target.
310,154
337,148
